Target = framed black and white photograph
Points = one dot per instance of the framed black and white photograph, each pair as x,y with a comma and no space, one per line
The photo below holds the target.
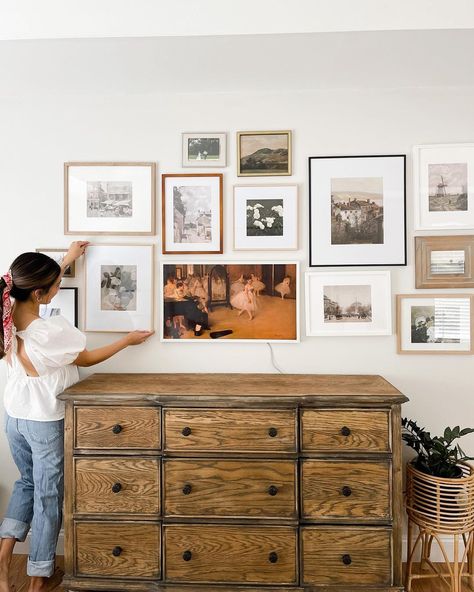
357,210
58,256
265,217
192,213
119,288
109,198
444,261
443,186
205,149
348,303
65,303
261,154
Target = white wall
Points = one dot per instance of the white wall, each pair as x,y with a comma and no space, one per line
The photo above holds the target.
39,133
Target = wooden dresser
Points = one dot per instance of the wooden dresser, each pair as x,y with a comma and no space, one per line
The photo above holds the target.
233,482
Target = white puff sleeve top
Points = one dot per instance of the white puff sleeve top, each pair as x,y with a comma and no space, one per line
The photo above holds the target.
51,345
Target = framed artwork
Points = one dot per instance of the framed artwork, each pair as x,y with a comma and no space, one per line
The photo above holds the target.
119,288
58,255
64,304
261,154
192,213
205,149
265,217
348,303
109,198
357,210
443,186
435,324
444,261
230,301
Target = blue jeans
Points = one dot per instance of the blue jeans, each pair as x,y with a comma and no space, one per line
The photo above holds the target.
37,498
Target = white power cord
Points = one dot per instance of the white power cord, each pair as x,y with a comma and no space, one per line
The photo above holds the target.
272,357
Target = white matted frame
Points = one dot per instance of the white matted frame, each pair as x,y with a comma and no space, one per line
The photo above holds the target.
80,200
203,158
124,304
65,303
448,188
266,215
320,323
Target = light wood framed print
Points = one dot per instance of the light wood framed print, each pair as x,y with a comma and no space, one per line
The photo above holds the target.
435,324
192,213
64,303
444,261
58,256
264,154
119,288
109,198
207,149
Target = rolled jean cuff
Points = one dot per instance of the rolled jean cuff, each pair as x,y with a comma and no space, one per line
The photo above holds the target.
14,529
41,569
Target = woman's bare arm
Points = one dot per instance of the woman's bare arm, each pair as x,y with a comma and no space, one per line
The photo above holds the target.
88,358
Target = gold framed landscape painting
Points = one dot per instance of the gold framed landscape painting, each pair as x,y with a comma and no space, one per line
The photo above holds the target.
444,261
263,154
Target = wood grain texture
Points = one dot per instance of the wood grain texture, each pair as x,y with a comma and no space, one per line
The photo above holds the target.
230,488
139,427
397,496
322,430
229,430
230,554
140,544
323,485
139,481
368,548
424,245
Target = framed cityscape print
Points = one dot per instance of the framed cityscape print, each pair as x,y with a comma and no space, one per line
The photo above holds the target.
230,301
119,288
261,154
58,256
192,213
357,210
444,261
205,149
64,304
435,324
348,303
443,186
265,217
109,198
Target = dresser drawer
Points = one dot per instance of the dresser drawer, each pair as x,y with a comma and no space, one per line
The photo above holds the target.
117,485
230,488
230,554
117,427
119,550
345,430
346,556
341,490
230,430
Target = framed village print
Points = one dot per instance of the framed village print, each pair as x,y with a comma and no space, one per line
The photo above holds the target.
64,304
119,288
435,324
205,149
192,213
230,301
348,303
261,154
444,261
357,210
58,256
265,217
443,186
109,198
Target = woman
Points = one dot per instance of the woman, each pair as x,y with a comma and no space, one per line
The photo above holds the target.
42,359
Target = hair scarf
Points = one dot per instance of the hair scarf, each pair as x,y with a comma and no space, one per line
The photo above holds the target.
7,317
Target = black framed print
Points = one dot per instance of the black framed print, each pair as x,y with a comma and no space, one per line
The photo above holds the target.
65,303
357,210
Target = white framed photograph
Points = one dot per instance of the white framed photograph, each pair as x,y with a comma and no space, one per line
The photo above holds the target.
348,303
435,324
119,288
265,217
443,186
357,210
207,149
109,198
64,304
58,256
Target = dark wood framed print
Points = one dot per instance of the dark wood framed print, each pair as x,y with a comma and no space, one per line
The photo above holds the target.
192,213
58,256
444,261
264,154
65,303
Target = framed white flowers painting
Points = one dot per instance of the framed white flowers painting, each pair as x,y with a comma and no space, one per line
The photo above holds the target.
265,217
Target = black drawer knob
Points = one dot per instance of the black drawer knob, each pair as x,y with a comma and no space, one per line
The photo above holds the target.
187,555
273,490
117,428
346,559
345,431
272,432
273,557
186,431
346,491
116,487
187,489
116,551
